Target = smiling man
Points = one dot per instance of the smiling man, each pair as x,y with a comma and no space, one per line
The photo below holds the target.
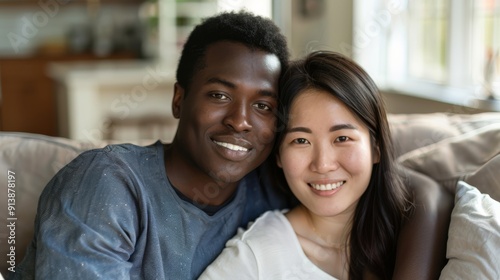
165,211
226,121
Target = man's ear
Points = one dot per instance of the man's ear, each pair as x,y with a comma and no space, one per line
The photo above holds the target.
177,100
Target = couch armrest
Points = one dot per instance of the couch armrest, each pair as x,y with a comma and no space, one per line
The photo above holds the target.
425,234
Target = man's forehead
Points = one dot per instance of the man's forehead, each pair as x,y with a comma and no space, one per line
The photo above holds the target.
231,49
227,58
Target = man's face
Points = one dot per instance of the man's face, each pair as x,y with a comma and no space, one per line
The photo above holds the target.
226,120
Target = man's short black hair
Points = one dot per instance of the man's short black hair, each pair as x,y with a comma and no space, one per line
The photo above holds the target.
254,31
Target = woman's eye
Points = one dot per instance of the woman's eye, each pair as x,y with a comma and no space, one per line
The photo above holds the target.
342,139
300,141
262,106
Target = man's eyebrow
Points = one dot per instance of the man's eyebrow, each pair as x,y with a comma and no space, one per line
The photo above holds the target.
216,80
269,93
333,128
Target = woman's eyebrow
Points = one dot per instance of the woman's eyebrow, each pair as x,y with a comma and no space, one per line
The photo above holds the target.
333,128
342,126
299,129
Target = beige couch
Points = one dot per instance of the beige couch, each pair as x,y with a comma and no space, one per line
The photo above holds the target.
446,147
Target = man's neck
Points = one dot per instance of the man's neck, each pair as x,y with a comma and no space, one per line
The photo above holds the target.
194,183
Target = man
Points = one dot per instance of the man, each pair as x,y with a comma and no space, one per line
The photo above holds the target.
166,211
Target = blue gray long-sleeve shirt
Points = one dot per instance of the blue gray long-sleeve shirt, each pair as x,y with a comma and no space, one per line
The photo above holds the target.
112,214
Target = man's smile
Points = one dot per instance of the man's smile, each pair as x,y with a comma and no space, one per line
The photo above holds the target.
231,146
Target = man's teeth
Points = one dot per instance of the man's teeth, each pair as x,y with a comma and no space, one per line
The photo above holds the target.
231,146
327,187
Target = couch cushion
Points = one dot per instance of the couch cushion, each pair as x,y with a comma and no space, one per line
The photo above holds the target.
413,131
473,157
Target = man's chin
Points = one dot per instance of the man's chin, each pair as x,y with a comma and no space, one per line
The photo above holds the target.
229,175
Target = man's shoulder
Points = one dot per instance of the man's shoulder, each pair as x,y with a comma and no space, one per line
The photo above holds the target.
113,167
116,172
120,152
124,149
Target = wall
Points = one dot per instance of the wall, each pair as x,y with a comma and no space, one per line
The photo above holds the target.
326,25
24,28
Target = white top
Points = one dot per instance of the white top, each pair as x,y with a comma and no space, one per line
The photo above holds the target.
269,249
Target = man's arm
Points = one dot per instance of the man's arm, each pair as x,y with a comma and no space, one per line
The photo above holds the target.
85,225
421,252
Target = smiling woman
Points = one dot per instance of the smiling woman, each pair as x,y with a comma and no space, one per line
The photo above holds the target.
326,150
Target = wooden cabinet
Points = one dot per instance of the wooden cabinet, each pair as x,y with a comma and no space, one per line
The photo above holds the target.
28,96
28,101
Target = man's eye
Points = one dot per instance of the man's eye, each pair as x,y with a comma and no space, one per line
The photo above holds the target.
300,141
219,96
262,106
342,139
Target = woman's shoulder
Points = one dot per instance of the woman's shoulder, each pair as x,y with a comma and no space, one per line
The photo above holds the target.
269,227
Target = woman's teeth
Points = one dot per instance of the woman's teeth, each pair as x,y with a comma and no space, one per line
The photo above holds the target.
327,187
231,146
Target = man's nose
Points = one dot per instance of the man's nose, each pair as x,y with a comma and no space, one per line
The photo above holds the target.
238,117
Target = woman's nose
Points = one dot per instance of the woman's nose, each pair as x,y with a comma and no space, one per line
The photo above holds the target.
324,159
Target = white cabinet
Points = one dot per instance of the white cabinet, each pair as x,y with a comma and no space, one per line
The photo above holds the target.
123,101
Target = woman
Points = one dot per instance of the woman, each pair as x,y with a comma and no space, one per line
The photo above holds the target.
335,152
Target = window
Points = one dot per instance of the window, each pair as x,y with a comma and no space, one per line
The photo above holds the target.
443,49
427,35
486,44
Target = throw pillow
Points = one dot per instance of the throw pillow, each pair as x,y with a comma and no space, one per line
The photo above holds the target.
474,236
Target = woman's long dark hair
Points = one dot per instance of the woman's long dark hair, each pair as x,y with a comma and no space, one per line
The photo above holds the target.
385,204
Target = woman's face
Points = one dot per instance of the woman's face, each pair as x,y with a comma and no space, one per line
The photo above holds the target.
326,154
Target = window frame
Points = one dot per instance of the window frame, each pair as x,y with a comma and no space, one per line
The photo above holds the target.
458,87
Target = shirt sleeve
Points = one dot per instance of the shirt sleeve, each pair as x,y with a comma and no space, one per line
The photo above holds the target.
237,261
87,221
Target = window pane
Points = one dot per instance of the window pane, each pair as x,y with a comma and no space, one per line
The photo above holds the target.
428,36
486,51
